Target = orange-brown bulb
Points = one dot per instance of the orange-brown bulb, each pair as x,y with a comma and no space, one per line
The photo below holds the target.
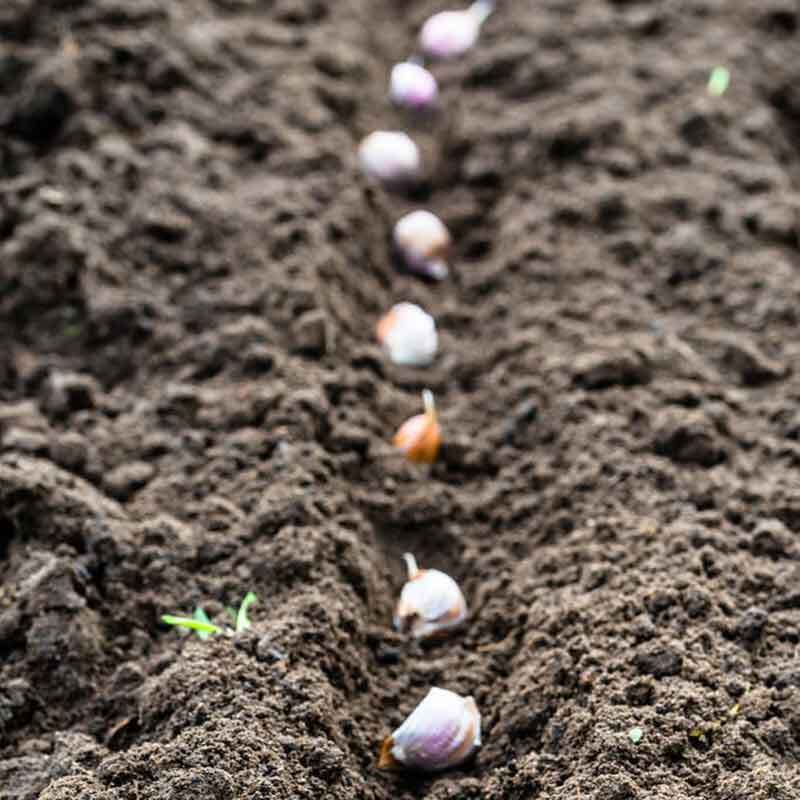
420,437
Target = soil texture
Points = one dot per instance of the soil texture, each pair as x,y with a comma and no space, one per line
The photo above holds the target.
193,404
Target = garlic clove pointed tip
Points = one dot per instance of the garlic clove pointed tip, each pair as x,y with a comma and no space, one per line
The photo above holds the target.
411,565
481,10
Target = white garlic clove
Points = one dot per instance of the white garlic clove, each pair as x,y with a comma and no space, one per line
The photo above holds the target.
431,603
424,243
441,732
412,86
449,34
408,335
390,157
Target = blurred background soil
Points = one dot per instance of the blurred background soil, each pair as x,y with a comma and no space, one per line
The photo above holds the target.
193,406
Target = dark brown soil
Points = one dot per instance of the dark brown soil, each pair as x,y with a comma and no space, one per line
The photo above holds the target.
192,405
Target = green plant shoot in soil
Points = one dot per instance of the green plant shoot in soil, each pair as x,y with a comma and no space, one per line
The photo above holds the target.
202,625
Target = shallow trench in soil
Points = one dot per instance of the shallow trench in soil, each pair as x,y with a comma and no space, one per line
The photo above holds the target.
194,406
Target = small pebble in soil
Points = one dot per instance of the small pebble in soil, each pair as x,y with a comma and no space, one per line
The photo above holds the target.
751,624
124,481
660,662
688,437
267,652
310,334
68,392
618,367
42,110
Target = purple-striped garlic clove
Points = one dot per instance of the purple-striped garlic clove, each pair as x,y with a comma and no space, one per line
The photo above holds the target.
424,243
408,335
412,86
390,157
431,603
449,34
442,731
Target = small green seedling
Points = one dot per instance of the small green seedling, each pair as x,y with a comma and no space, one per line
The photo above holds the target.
242,621
202,625
635,734
718,81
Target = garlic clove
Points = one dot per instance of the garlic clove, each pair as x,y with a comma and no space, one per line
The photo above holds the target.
412,86
420,437
424,242
390,157
448,34
408,334
441,732
431,603
451,33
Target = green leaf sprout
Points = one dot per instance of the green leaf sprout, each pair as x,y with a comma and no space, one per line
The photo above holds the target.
201,616
202,625
718,81
242,622
203,629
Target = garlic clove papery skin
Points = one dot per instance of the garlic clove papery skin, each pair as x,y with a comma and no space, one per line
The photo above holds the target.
449,34
431,603
441,732
424,242
408,334
419,439
412,86
390,157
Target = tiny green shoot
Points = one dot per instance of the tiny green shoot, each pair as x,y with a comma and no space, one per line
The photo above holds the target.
201,616
718,81
242,622
203,629
202,625
635,734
